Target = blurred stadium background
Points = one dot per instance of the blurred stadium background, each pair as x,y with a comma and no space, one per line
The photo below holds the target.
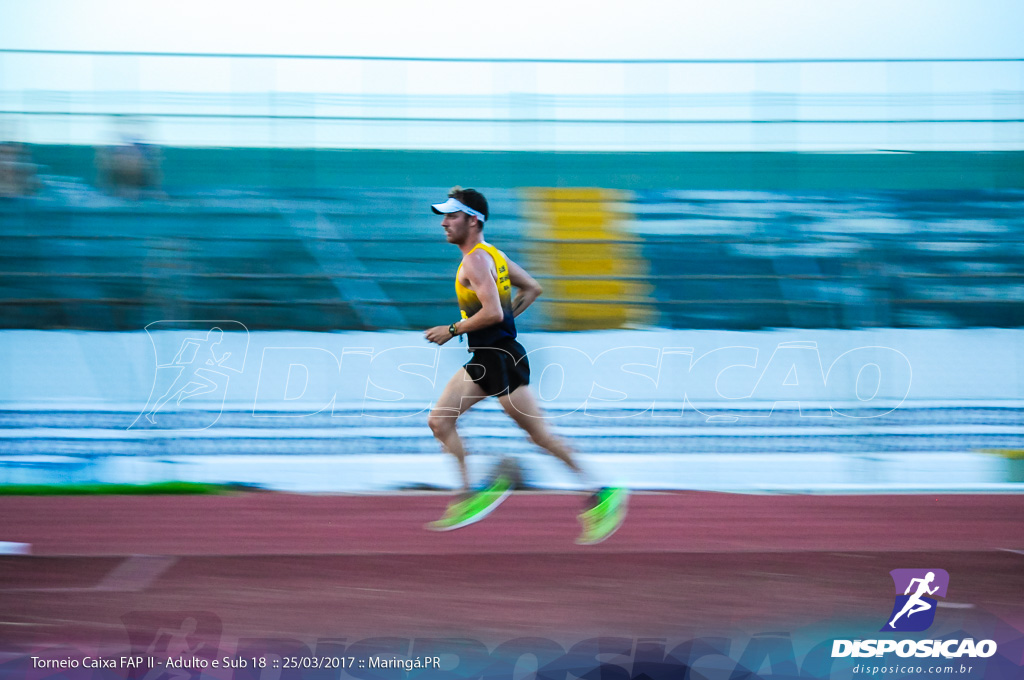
288,193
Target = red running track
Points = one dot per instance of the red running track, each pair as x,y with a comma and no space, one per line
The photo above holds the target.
286,524
268,564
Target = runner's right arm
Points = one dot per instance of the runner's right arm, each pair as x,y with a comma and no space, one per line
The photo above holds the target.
481,282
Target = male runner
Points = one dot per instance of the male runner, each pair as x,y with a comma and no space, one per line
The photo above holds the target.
499,368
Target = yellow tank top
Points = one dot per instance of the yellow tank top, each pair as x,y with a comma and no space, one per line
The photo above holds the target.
469,303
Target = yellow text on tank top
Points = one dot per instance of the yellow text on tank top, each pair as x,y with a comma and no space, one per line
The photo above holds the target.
469,303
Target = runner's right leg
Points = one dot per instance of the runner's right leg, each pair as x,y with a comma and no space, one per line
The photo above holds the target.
606,506
522,407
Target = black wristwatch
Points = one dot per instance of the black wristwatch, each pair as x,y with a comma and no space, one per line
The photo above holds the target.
453,330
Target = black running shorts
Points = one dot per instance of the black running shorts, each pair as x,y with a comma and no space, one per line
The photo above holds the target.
499,369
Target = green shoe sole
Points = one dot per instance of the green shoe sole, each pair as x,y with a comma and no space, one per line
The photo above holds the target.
474,514
601,522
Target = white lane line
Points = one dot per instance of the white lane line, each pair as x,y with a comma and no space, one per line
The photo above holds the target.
136,573
1015,552
719,429
13,548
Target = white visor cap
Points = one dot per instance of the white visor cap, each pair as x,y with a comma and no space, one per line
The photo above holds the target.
455,205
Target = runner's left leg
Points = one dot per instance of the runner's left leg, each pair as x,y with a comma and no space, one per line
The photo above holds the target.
467,507
458,396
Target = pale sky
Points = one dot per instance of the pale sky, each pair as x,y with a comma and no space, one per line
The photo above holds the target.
445,105
529,28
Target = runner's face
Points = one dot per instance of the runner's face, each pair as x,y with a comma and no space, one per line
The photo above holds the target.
456,226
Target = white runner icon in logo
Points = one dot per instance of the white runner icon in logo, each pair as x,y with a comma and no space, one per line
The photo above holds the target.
915,603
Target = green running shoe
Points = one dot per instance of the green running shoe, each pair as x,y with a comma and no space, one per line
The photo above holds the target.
474,507
605,517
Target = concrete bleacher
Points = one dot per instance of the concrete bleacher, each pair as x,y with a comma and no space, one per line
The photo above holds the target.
372,258
834,259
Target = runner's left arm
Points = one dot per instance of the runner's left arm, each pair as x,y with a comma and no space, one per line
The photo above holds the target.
528,288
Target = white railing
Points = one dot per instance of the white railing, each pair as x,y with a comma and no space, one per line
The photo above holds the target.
244,100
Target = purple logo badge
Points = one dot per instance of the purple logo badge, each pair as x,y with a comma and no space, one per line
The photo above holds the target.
914,609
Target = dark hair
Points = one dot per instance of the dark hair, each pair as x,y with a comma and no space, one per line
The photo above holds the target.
471,198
